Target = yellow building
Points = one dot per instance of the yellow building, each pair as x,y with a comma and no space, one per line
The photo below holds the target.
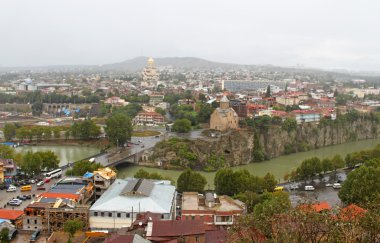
224,117
1,172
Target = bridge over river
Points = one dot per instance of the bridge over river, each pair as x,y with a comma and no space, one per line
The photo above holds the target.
139,148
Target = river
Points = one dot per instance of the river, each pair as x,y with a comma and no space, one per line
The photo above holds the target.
278,166
65,153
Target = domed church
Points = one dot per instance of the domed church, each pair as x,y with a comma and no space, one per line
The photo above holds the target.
224,117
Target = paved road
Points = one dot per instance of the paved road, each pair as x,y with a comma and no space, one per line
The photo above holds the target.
321,193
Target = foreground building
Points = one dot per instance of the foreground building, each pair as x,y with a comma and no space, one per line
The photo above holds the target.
67,199
214,210
119,205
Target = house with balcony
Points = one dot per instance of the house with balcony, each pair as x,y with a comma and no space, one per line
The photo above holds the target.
214,210
149,119
103,179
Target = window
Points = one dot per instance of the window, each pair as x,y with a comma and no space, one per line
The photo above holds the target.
102,214
118,215
27,221
109,214
95,214
128,215
162,216
192,217
35,221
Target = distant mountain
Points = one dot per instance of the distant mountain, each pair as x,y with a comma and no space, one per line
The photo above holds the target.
139,63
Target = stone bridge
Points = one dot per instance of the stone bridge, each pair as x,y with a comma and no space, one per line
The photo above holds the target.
123,155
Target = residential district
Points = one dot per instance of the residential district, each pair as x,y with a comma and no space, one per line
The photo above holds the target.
48,201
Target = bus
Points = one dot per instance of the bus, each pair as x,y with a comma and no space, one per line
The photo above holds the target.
54,174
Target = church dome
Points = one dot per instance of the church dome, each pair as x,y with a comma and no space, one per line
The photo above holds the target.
150,61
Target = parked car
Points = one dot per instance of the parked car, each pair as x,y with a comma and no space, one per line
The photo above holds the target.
15,202
12,234
35,235
309,188
337,186
294,187
47,180
41,183
28,197
31,181
3,186
329,184
11,188
41,188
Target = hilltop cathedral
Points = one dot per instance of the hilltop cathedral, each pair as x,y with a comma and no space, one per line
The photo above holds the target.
149,75
224,117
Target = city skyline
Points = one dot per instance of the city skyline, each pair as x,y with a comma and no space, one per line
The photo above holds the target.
313,34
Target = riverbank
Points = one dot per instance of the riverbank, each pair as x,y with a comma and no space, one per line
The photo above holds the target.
278,166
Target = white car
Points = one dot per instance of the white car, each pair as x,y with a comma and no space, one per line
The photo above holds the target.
328,185
12,188
294,187
337,186
41,183
15,202
309,188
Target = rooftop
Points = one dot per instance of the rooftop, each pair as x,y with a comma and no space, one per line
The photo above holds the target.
177,228
10,214
193,201
134,194
106,173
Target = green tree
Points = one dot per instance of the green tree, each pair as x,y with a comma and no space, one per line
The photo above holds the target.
22,133
141,173
160,111
118,129
81,167
289,124
49,160
182,126
9,131
190,181
31,163
361,186
4,235
37,108
269,182
268,93
72,226
327,165
6,152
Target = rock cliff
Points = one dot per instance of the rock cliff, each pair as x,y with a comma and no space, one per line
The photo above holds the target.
236,147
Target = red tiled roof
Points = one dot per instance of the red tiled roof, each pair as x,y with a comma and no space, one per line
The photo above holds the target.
60,195
177,228
216,236
317,207
10,214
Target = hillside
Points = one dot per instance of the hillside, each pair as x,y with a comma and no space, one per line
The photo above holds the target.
139,63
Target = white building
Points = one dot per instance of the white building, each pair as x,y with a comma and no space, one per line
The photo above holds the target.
124,199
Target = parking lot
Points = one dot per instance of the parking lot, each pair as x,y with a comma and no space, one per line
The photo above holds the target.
5,196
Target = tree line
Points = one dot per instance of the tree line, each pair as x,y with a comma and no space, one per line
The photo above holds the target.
38,96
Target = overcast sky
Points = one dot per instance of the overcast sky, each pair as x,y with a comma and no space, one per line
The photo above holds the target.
323,33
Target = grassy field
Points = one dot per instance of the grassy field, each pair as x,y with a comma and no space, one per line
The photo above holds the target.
146,133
